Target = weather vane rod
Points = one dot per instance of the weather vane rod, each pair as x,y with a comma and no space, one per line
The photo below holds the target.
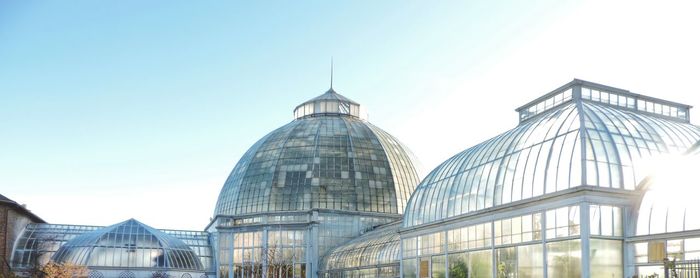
331,72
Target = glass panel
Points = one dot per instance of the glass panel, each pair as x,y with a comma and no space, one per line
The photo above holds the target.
551,224
409,247
530,261
650,271
424,271
409,268
606,258
617,221
516,228
563,222
506,262
480,264
674,249
606,220
692,248
432,243
459,265
438,266
536,226
564,258
656,251
594,214
640,252
457,239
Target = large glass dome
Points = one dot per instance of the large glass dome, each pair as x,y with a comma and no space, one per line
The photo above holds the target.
598,136
129,244
327,158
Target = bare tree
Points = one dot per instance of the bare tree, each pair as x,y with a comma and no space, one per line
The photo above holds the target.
279,265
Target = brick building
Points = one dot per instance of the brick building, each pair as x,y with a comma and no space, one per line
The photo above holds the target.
13,218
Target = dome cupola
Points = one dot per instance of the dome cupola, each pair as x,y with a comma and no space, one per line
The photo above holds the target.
329,103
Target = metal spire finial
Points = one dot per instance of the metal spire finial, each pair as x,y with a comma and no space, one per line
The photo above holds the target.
331,72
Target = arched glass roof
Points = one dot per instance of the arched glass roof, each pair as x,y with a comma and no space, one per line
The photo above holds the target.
670,196
571,141
328,161
375,248
129,244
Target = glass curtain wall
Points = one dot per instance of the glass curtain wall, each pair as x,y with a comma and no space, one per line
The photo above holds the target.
523,246
248,254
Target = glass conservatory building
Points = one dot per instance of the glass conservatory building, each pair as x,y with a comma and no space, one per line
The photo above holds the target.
594,181
573,191
128,249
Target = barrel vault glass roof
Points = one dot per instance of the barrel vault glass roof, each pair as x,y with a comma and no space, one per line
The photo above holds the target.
43,240
668,200
576,135
129,244
322,161
373,249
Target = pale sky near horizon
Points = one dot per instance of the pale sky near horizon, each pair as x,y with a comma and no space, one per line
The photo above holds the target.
117,109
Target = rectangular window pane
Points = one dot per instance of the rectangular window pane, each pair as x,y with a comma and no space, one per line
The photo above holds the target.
438,266
530,262
424,267
480,264
606,258
674,249
409,268
617,221
506,262
640,251
656,251
459,265
692,248
606,220
650,271
564,258
574,221
594,212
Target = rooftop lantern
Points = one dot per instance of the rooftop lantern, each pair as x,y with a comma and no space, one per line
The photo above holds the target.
329,103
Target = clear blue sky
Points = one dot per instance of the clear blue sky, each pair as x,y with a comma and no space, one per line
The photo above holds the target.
119,109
